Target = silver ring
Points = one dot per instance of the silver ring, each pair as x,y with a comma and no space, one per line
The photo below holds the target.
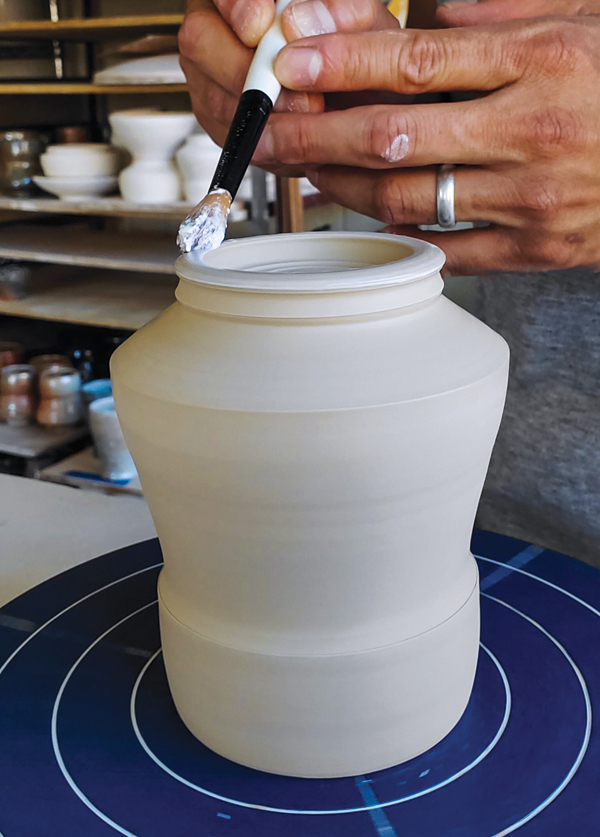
445,196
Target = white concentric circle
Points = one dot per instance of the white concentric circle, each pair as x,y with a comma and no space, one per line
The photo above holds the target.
62,612
54,726
271,809
571,773
588,726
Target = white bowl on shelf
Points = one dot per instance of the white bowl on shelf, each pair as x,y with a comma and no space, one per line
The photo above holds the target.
75,189
80,159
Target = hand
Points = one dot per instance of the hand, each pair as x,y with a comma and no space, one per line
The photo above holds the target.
530,149
461,13
215,43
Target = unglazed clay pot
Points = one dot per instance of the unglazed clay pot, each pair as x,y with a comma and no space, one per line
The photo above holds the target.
312,422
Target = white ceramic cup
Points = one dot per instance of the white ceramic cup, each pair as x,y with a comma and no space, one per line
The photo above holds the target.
117,463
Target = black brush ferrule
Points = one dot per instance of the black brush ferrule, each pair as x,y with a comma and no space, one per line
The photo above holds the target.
249,122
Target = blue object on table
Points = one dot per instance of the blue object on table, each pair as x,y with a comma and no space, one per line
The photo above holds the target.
98,388
91,744
92,476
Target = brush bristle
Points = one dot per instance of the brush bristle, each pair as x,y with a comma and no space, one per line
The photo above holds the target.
205,227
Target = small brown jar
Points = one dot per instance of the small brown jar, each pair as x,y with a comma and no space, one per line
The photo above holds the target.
60,396
42,362
17,395
10,353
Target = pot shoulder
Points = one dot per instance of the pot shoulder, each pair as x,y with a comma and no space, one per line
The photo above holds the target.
195,358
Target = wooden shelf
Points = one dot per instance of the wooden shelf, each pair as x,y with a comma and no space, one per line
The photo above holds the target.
35,441
64,88
77,245
101,298
90,29
113,207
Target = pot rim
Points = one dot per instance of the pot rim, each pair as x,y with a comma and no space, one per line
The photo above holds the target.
410,260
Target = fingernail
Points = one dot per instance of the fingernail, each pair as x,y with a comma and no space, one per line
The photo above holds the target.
298,66
248,21
312,18
292,101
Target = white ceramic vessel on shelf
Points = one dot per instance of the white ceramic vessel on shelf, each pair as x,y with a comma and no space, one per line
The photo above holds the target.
85,159
151,137
75,189
152,69
112,451
197,160
312,423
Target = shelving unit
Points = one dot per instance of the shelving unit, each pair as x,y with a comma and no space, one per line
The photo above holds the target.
74,245
109,207
91,29
100,298
64,88
132,277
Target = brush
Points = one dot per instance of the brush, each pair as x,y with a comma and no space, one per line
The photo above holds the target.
205,226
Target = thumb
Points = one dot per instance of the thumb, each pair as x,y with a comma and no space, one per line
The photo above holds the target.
472,13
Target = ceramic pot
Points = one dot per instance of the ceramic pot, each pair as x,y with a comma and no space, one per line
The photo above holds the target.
10,353
20,162
312,423
80,159
60,396
109,443
72,134
17,395
42,362
152,138
197,160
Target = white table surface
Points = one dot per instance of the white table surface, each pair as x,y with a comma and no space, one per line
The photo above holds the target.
47,528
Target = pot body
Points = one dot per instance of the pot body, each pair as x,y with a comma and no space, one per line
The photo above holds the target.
312,424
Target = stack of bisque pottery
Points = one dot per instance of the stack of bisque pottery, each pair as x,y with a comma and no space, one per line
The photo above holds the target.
79,171
312,422
151,137
17,395
60,396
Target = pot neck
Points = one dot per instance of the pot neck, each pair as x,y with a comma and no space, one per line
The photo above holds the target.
311,275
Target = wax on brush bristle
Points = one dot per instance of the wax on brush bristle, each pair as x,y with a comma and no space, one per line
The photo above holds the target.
205,228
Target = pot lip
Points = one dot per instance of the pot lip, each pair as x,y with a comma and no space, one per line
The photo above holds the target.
202,268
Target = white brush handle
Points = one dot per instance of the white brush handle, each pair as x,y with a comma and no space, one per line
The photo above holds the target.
260,75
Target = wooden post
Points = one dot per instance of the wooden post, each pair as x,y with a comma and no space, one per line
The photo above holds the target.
290,209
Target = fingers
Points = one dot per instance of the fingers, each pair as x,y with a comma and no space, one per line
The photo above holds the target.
249,19
305,18
473,252
498,250
207,43
381,136
408,196
409,61
461,13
